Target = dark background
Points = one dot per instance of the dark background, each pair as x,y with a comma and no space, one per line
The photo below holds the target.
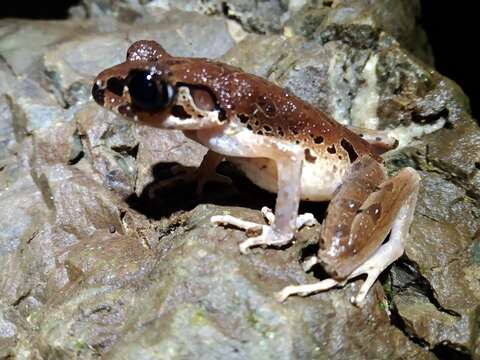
449,27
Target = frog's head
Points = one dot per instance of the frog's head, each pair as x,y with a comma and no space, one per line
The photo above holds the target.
146,88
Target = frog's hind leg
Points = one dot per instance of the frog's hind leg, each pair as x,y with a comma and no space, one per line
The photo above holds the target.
395,246
350,252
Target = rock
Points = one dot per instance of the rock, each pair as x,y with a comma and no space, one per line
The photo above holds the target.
97,262
186,34
24,42
333,21
7,132
71,64
229,307
437,289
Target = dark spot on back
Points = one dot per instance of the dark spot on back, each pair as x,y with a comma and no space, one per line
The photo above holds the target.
318,140
375,212
309,156
180,112
352,154
221,115
267,128
243,118
331,149
115,85
267,107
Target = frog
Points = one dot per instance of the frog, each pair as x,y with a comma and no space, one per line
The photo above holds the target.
283,145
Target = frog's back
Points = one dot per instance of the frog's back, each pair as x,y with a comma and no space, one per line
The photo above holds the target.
267,109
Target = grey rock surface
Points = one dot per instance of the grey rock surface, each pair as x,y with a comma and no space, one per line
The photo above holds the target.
95,263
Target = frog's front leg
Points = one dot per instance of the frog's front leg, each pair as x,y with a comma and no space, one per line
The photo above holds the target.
360,216
205,173
288,159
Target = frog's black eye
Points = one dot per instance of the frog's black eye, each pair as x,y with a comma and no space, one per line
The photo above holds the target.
148,91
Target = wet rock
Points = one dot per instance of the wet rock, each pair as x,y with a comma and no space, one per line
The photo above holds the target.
12,327
24,42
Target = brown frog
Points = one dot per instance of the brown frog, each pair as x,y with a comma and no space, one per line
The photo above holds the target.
283,145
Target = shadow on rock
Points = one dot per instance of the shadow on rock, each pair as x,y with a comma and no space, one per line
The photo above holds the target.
169,193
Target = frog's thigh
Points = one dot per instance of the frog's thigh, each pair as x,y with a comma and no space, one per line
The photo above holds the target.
288,159
397,196
409,180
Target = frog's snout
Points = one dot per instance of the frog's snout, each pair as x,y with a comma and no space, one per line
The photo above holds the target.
98,94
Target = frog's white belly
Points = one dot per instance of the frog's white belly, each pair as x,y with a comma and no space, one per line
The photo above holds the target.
318,183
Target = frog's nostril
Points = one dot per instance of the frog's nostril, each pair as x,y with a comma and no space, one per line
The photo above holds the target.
98,94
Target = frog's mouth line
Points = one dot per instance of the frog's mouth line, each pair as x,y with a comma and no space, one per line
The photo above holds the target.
187,114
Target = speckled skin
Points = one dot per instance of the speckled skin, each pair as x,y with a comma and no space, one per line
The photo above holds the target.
283,145
261,106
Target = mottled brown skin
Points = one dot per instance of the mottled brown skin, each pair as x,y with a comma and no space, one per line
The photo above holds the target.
342,249
262,106
364,207
266,109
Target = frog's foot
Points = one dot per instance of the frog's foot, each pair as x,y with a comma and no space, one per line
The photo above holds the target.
306,219
305,290
373,267
268,235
